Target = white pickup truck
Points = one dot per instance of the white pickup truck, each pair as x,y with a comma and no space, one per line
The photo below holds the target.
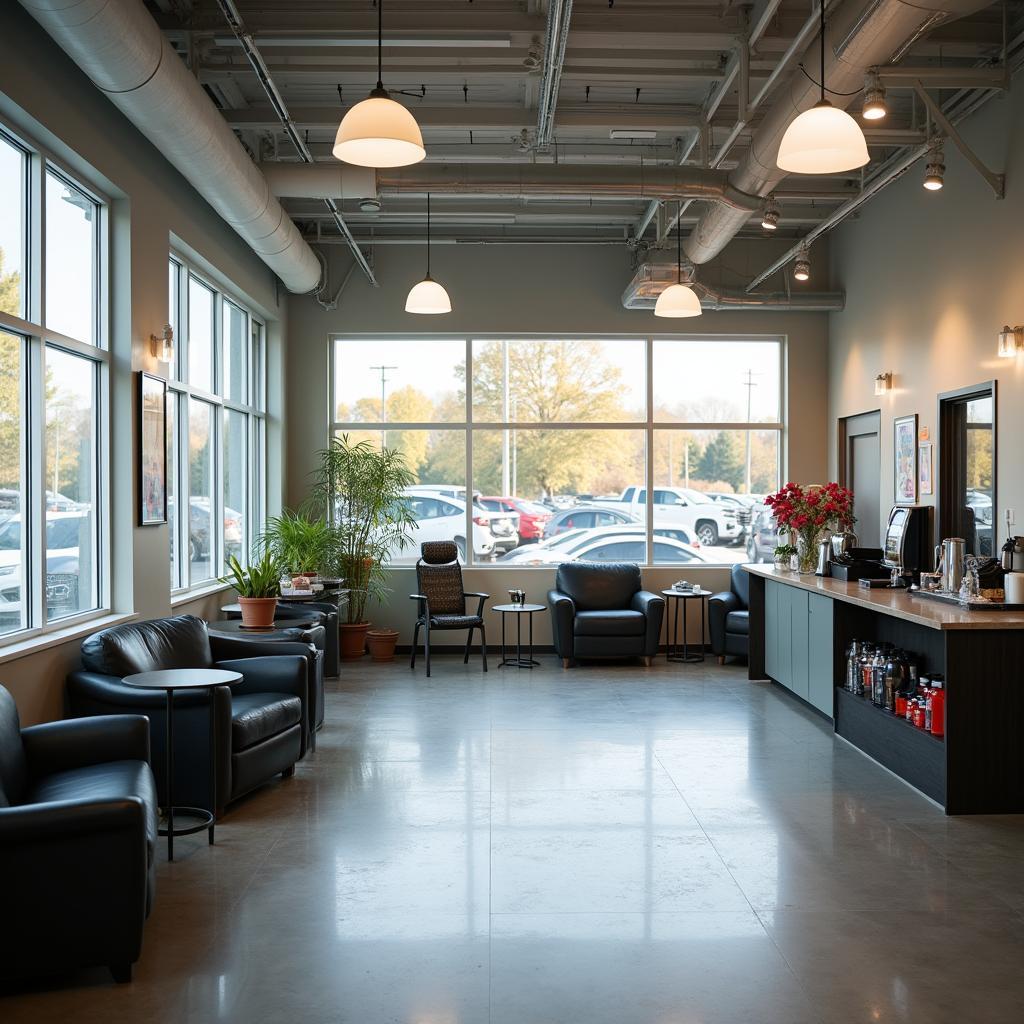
709,521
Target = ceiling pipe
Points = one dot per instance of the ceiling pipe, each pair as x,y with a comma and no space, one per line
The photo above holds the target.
862,34
319,181
119,46
555,39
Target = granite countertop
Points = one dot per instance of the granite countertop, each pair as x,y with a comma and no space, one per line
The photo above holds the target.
925,612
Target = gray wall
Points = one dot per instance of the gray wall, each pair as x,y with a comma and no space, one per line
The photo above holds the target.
45,96
930,279
543,290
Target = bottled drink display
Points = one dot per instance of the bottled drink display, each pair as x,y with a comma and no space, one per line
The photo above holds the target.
891,679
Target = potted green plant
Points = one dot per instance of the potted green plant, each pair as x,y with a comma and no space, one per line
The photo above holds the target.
358,488
783,553
302,542
258,588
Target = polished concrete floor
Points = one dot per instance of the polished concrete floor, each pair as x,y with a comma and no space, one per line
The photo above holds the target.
669,845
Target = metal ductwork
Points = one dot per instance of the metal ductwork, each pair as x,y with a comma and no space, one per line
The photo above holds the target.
322,181
119,46
651,279
861,34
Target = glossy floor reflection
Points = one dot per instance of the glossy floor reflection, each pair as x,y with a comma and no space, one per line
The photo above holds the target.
669,845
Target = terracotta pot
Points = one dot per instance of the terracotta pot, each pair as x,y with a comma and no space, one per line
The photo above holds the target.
258,611
353,640
381,644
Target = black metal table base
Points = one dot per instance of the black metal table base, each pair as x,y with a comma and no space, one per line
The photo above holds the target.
208,817
204,820
680,652
518,661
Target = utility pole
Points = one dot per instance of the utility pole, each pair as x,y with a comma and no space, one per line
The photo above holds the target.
383,401
749,384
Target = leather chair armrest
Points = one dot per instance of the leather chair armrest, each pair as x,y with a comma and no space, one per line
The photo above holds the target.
62,819
79,742
563,617
225,647
653,607
482,597
719,606
96,690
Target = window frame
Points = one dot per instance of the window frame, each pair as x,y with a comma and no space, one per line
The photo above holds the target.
649,425
37,338
181,392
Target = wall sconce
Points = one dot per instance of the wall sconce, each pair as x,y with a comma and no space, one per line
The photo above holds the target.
1011,341
163,346
883,383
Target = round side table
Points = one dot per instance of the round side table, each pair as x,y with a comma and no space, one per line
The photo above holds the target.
518,610
681,652
171,680
282,629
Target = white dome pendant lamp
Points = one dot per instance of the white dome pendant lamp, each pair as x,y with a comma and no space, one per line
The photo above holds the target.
428,296
824,139
678,299
379,132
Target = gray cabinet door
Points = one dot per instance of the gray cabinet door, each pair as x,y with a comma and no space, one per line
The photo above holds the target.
773,628
820,645
800,651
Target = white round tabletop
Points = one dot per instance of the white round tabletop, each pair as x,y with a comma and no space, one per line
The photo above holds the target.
686,593
183,679
518,607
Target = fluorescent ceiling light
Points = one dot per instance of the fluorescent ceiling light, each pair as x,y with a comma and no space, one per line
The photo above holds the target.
632,133
344,42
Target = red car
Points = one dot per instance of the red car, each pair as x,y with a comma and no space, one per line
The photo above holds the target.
532,516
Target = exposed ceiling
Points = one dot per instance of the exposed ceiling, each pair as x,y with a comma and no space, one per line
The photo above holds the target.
670,68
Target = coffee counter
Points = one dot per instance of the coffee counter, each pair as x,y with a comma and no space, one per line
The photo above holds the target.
800,629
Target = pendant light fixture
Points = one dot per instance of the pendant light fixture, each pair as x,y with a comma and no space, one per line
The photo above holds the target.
678,299
428,296
379,132
802,264
824,139
935,170
770,214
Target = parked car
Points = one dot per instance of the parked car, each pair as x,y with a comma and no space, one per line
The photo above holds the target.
533,517
763,538
438,518
199,540
592,545
585,517
709,521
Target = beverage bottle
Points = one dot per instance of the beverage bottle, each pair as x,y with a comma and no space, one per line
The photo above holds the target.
864,676
878,679
928,710
852,660
938,721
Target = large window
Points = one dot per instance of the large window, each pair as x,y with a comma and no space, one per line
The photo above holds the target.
54,562
557,442
216,427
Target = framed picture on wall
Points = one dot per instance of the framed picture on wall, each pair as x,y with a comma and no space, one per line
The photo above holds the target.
905,459
925,467
152,450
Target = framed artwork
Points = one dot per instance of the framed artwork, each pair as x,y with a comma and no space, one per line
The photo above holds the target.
905,459
925,468
152,450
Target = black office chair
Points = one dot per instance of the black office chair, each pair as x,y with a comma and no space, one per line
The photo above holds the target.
442,601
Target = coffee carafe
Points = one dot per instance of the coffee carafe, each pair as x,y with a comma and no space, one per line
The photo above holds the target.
950,557
824,558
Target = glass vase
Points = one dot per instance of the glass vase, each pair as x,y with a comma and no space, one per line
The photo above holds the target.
807,552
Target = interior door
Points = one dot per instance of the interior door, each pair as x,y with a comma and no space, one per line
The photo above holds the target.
860,469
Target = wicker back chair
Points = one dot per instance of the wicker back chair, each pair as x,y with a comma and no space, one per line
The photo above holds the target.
441,601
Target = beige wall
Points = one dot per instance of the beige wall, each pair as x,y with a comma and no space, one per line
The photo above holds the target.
43,95
930,278
544,290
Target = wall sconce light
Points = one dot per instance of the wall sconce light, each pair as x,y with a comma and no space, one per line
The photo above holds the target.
1011,342
163,346
883,383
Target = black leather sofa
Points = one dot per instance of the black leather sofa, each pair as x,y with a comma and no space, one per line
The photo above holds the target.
729,617
261,724
77,843
600,610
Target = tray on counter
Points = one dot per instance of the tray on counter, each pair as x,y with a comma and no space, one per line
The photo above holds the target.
974,606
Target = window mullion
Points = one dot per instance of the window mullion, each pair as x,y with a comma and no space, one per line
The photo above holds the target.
34,510
470,545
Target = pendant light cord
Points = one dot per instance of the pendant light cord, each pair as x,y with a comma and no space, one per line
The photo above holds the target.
428,235
823,100
380,37
679,242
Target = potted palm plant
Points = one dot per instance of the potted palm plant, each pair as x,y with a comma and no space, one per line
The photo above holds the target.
258,588
302,541
358,488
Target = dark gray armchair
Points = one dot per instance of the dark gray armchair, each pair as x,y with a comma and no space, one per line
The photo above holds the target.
600,610
729,617
77,841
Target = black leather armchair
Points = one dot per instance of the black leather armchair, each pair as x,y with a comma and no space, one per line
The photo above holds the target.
599,610
77,842
729,617
261,723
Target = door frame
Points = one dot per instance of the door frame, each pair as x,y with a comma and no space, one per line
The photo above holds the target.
843,436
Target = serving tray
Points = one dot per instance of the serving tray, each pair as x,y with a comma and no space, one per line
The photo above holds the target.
974,606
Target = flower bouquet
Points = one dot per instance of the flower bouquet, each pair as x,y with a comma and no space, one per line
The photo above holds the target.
810,514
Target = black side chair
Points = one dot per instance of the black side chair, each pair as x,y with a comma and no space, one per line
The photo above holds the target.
729,617
442,601
77,840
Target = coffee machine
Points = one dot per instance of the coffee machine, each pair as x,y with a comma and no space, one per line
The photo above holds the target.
907,544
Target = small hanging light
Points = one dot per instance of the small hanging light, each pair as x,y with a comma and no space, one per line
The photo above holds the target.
824,139
935,169
428,296
874,108
802,265
379,132
678,300
770,214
